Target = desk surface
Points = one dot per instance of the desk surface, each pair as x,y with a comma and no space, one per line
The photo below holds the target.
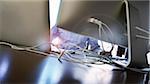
26,67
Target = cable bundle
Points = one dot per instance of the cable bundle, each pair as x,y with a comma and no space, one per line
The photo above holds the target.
69,55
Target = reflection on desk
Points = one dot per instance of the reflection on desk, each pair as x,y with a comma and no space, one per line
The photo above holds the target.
26,67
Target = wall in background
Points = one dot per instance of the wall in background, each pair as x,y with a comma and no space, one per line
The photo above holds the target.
24,22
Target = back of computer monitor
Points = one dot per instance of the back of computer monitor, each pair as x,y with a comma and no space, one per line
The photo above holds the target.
139,18
74,15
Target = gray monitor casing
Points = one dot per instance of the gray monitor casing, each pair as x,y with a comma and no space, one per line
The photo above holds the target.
73,16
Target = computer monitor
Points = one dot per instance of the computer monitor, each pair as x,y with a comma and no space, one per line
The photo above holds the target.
122,18
139,19
24,22
74,15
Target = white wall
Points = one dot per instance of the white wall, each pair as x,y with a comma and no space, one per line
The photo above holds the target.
54,8
24,22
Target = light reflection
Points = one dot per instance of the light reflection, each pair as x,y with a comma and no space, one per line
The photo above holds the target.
148,58
77,71
54,8
51,71
98,76
42,43
114,51
107,47
57,41
4,64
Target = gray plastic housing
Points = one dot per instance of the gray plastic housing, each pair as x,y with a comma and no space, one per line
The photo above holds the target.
73,16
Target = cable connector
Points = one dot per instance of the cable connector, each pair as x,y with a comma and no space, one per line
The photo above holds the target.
95,21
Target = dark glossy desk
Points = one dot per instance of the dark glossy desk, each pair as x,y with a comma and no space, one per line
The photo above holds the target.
26,67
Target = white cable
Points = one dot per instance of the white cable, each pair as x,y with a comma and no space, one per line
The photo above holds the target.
143,37
108,38
100,23
75,45
12,46
78,60
71,59
100,36
100,28
30,49
109,31
38,52
128,27
87,61
140,29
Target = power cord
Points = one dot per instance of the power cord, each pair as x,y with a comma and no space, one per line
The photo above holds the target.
93,57
101,29
30,49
